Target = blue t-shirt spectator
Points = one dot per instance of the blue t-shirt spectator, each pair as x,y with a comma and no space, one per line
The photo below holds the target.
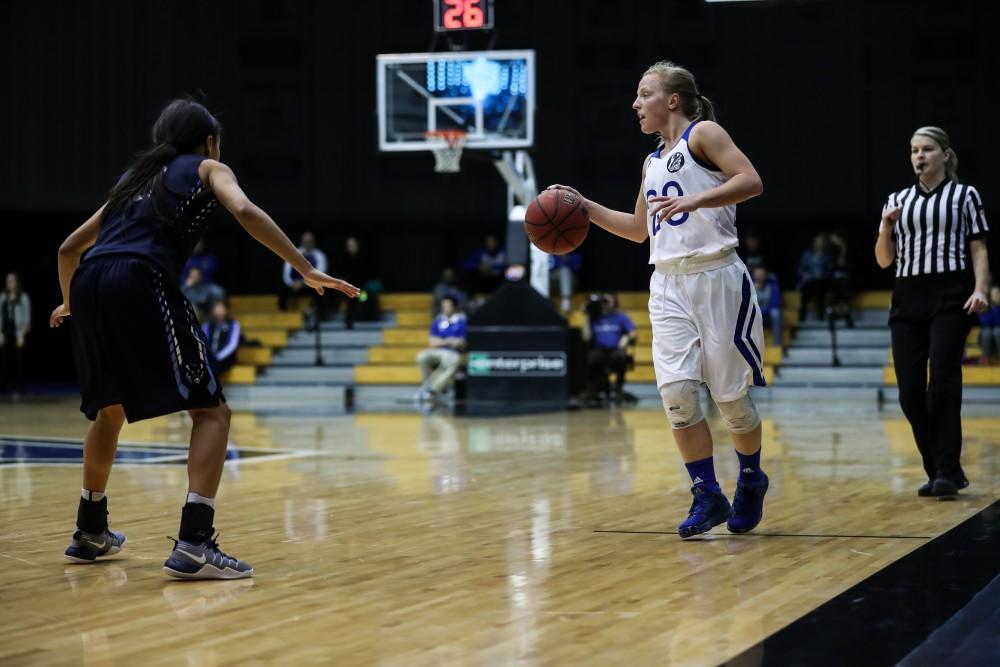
609,329
990,318
449,327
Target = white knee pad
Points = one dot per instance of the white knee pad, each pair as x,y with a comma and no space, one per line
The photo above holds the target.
740,415
681,401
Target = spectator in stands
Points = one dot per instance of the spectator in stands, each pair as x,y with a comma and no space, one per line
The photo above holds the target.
200,293
751,252
610,332
15,324
292,283
486,266
356,269
223,336
769,300
815,271
448,286
989,332
204,260
439,362
562,270
840,294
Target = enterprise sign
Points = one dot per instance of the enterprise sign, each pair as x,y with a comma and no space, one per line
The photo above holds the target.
517,364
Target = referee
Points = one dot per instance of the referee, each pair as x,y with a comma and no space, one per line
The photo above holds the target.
935,232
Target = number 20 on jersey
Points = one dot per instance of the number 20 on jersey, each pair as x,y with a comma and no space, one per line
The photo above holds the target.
670,187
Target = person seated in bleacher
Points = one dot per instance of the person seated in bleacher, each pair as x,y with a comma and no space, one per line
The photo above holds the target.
609,332
840,279
204,260
292,283
769,300
439,362
201,293
222,337
448,286
989,331
815,271
750,252
562,271
486,266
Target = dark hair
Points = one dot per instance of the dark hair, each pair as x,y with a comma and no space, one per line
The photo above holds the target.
17,279
182,127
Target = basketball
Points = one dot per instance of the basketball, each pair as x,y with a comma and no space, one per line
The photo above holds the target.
557,221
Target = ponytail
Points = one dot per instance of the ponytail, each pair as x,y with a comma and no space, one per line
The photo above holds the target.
143,179
182,127
706,110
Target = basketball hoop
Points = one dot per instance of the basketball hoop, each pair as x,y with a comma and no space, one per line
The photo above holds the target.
447,149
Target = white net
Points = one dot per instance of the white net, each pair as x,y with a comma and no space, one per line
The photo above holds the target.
447,155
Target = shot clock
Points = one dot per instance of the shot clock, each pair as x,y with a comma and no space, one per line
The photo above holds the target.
451,15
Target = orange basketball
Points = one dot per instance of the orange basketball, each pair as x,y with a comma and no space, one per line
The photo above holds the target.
557,221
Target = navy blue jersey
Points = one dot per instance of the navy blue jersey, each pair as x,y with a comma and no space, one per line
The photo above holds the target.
167,242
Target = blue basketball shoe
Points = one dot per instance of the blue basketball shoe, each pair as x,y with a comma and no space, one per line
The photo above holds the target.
86,548
748,505
204,560
708,509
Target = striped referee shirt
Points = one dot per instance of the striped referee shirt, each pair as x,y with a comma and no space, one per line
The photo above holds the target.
934,228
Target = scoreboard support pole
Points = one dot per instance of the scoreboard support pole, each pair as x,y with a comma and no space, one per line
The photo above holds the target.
518,172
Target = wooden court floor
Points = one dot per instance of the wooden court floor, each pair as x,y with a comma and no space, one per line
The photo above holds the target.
404,539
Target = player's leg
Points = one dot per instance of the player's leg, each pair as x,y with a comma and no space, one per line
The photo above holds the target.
677,360
948,332
92,538
449,361
196,555
734,363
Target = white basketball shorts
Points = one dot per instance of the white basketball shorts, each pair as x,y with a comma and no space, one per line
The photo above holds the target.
707,325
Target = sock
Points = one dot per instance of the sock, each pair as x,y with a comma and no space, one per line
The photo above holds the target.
703,475
92,515
95,496
195,498
750,467
196,522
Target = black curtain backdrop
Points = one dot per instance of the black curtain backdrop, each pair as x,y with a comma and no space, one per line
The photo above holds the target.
821,95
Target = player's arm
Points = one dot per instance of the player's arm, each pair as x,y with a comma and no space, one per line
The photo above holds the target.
631,226
70,252
222,181
711,142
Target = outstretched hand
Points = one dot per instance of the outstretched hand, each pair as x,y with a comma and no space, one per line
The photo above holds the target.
60,313
318,281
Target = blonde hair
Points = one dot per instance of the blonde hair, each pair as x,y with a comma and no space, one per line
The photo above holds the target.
679,80
940,137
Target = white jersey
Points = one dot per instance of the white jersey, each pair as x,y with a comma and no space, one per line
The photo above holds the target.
703,232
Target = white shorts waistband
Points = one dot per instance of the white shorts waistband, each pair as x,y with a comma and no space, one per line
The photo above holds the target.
698,263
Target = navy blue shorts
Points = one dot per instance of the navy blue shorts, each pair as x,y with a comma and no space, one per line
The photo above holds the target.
137,341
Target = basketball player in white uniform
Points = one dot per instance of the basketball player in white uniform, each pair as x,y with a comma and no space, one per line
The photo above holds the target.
702,304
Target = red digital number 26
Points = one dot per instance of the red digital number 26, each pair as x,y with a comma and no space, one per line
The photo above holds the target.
463,14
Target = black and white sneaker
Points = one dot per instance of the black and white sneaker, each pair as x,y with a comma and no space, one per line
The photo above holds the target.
85,548
204,561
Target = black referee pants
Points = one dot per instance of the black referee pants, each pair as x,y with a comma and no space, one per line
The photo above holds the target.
929,325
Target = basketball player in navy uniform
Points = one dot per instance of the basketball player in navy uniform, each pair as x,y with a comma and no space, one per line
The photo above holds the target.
136,339
702,304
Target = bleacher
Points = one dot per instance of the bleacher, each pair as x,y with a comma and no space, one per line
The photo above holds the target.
378,359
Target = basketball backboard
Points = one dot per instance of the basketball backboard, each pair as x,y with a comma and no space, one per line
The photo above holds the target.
488,94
